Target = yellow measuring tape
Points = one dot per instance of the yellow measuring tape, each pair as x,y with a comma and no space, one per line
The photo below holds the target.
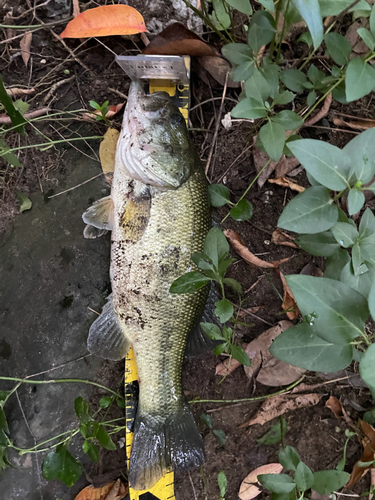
163,489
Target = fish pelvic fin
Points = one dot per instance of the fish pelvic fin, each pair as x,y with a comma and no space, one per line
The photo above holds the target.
100,216
106,337
161,445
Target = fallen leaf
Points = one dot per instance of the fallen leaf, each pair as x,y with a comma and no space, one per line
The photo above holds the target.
105,21
25,45
107,150
16,91
368,454
218,68
260,158
335,406
255,350
249,488
281,238
356,125
239,247
177,40
285,165
278,405
112,110
115,490
289,302
310,269
323,112
285,182
358,45
25,202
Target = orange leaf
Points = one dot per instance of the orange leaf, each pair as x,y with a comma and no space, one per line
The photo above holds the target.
105,21
367,456
104,492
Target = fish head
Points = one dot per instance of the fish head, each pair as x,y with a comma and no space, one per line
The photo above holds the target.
159,152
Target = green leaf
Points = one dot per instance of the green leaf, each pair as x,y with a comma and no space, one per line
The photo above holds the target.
220,435
4,463
221,348
335,7
367,37
366,367
121,402
288,119
271,72
257,87
325,162
25,202
237,53
234,284
189,283
336,263
338,47
315,75
345,234
18,121
301,346
303,477
60,464
267,4
310,11
309,212
367,224
275,434
272,136
207,420
243,71
21,105
289,458
361,154
306,38
327,481
224,310
224,264
216,246
261,31
320,244
277,483
362,282
8,156
4,430
222,482
212,331
242,211
220,16
359,79
294,79
219,195
369,416
241,5
240,355
311,98
83,410
104,439
356,200
284,98
340,311
105,401
249,108
93,452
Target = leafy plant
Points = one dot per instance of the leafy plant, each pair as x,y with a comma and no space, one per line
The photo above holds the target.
213,263
220,196
102,110
223,483
218,433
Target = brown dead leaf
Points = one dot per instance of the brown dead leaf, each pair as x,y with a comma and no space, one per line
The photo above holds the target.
285,182
289,302
107,150
112,110
334,404
16,91
322,113
358,45
115,490
367,456
285,165
274,407
310,269
260,158
249,488
218,68
25,45
177,40
281,238
240,248
356,125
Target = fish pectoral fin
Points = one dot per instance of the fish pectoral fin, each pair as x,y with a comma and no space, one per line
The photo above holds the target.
164,444
135,218
197,341
106,337
100,214
91,232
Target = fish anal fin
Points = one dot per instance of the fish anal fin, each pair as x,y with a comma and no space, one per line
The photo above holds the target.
100,214
106,337
161,445
135,218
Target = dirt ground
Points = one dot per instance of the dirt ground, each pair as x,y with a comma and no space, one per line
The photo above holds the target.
91,74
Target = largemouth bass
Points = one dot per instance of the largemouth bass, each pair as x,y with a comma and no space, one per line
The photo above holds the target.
159,215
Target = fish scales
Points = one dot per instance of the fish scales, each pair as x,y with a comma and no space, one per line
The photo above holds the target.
159,215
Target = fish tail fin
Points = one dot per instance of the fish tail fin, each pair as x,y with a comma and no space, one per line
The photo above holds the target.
161,445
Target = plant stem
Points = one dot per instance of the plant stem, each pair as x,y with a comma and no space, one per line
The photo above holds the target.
206,19
258,398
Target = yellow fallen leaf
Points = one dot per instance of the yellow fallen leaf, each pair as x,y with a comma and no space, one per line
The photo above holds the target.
107,150
249,488
111,491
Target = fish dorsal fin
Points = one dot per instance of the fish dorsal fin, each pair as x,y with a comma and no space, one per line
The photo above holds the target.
197,341
106,337
135,218
100,214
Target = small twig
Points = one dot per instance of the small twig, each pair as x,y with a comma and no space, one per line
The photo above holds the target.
234,162
93,310
4,119
217,125
56,86
17,91
212,99
78,185
123,96
192,485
